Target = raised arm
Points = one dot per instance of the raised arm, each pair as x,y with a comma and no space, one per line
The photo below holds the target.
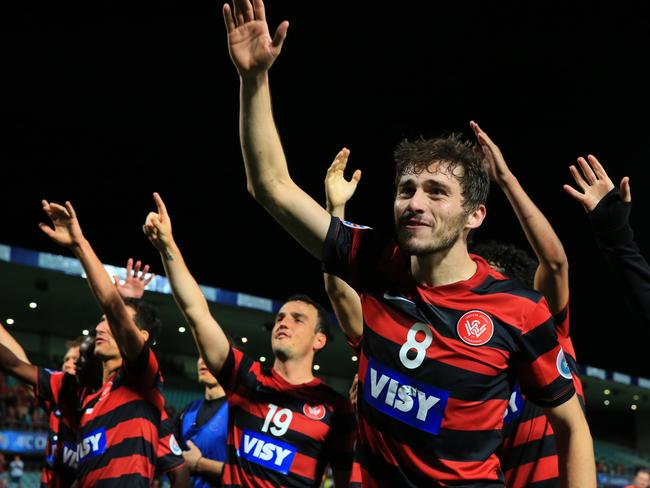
609,210
19,369
344,300
67,233
552,275
12,344
575,449
210,338
253,51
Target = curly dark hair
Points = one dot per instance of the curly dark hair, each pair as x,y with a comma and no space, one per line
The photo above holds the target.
452,150
509,259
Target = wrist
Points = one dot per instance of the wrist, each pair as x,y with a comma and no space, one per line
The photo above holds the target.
78,243
336,210
168,250
196,467
506,180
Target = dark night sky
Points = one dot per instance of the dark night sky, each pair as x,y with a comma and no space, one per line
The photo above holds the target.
105,102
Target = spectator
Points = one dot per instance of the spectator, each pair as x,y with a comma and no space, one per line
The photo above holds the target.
16,471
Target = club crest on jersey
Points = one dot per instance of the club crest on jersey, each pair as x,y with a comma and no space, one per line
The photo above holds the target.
173,445
266,451
563,365
475,328
314,412
354,226
414,403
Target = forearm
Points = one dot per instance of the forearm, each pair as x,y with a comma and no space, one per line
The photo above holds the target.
267,174
123,328
12,365
186,290
210,338
98,279
208,468
346,305
539,232
8,340
266,166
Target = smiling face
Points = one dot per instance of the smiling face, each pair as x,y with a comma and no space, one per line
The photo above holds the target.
295,334
429,212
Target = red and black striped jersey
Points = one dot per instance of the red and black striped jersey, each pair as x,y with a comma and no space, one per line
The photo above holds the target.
528,454
56,388
119,427
438,364
281,434
170,455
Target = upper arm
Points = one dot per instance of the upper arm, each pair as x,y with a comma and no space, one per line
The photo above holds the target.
347,306
567,417
211,342
128,336
553,283
298,213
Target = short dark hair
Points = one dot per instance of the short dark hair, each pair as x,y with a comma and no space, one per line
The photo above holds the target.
76,342
324,324
452,150
514,261
146,318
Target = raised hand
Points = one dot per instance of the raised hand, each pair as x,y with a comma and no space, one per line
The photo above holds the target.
338,190
493,160
135,282
67,231
157,226
251,47
594,182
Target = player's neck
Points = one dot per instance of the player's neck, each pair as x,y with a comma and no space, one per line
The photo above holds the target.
109,366
294,371
443,267
214,392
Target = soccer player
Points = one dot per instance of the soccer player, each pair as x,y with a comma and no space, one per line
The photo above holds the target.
118,424
285,425
528,453
444,335
55,472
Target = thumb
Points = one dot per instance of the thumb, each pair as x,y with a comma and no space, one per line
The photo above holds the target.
280,35
626,192
356,177
47,229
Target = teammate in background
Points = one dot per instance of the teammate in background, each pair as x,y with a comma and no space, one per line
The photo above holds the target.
169,461
641,479
420,407
285,425
55,473
118,424
528,453
608,209
202,430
